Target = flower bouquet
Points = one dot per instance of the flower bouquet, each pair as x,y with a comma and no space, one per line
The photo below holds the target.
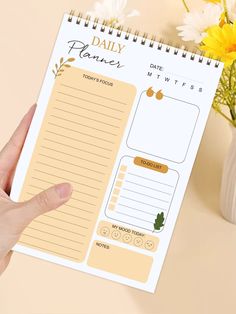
213,30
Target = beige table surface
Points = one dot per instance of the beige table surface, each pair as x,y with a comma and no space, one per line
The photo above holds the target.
199,273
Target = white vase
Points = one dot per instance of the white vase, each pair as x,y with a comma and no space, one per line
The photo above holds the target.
228,184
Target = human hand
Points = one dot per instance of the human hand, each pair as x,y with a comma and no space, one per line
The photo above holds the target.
14,217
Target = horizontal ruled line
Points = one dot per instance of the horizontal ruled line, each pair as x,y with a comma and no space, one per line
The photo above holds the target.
55,235
139,210
77,140
90,195
84,117
53,243
74,207
36,187
89,186
78,208
155,198
81,124
64,221
75,173
85,134
58,151
131,199
82,201
70,163
79,200
53,183
136,175
87,109
68,214
81,90
81,150
133,216
50,251
49,182
53,226
148,187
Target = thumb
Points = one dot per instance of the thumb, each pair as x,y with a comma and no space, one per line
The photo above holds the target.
45,201
5,261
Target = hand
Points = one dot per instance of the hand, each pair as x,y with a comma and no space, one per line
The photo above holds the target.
14,217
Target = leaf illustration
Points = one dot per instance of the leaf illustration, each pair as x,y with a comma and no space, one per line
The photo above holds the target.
159,221
59,68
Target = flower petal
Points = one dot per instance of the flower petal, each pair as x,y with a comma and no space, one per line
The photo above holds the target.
133,13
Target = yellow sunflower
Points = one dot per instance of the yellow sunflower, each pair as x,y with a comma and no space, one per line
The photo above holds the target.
213,1
220,42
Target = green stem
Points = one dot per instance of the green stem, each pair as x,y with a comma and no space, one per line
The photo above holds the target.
227,118
232,111
230,75
226,12
232,105
186,6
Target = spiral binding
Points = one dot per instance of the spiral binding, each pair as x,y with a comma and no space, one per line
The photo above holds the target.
128,34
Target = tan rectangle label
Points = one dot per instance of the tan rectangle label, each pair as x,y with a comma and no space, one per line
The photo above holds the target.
78,143
120,261
128,236
150,164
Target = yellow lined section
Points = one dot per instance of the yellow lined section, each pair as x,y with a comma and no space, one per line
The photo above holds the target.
78,143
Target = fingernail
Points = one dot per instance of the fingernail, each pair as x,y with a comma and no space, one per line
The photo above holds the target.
30,112
31,109
64,190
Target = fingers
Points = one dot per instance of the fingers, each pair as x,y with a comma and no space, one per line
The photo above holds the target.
44,202
11,151
5,261
4,195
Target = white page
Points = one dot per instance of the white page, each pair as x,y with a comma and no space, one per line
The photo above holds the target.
127,151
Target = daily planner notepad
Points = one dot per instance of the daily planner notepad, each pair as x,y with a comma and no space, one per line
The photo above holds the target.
119,116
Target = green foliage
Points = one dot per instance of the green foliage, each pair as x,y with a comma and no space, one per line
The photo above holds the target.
159,221
225,97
